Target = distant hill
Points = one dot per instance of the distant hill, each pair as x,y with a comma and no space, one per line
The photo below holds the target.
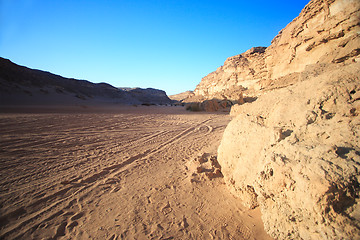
20,85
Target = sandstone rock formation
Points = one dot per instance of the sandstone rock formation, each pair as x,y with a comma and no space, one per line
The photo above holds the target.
294,152
181,96
212,105
325,31
149,96
24,86
238,73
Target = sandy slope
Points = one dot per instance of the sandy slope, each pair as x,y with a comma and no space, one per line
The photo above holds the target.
130,174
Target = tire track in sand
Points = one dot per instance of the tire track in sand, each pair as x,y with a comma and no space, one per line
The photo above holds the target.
61,199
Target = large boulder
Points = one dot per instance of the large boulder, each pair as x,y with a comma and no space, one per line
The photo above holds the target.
212,105
295,153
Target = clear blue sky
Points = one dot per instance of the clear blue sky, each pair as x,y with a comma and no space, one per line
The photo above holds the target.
163,44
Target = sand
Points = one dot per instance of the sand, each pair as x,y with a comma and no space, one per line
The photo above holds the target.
124,173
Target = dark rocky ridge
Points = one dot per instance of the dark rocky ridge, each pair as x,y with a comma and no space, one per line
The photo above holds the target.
24,86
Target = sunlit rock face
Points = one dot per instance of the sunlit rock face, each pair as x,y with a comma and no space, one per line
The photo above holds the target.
294,151
237,74
324,32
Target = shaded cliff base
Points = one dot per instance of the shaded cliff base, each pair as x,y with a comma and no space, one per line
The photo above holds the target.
214,105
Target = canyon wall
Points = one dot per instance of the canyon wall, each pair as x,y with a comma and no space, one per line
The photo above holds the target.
294,151
238,73
324,32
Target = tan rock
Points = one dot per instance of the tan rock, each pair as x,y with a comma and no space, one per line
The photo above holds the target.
241,99
239,72
295,153
326,31
210,105
181,96
294,150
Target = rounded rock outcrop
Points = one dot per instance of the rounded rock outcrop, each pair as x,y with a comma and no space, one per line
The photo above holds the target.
295,153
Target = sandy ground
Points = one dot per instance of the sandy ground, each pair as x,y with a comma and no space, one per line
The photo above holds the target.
130,173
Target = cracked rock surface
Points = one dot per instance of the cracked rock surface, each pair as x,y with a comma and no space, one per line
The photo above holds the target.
294,152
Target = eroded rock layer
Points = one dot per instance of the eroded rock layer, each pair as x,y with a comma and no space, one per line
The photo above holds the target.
325,31
294,151
238,73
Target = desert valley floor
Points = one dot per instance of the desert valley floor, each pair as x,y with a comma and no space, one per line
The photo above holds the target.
134,173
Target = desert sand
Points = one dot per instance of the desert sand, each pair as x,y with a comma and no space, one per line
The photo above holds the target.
124,173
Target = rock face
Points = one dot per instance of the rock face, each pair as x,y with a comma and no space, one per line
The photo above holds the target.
294,151
238,73
181,96
325,31
23,86
212,105
149,96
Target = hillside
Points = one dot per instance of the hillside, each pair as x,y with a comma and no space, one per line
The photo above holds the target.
24,86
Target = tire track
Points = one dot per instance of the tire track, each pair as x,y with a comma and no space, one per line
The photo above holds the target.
85,185
130,146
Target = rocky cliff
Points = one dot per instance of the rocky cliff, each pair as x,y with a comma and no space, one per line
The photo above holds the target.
325,31
24,86
238,73
294,152
181,96
149,96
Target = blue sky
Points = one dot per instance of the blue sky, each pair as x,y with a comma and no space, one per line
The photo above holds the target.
163,44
